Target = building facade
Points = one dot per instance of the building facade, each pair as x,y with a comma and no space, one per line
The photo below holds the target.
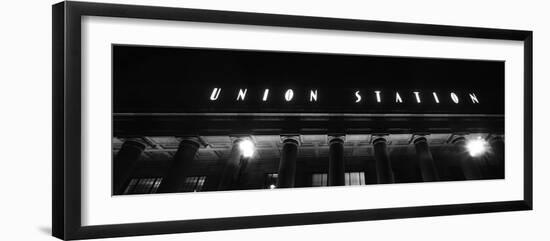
216,163
193,119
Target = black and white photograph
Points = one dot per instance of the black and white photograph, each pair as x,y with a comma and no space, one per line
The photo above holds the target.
274,120
204,119
169,119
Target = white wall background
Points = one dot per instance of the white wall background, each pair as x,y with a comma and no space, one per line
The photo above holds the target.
25,120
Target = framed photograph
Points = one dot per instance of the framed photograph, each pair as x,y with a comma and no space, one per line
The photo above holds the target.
170,120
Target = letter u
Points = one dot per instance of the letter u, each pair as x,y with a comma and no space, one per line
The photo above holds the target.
215,93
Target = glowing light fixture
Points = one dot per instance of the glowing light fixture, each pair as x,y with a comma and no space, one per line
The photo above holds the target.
476,147
247,148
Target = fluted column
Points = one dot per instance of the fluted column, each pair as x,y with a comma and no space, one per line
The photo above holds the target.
124,163
497,157
336,165
383,163
287,164
425,160
470,169
230,174
177,172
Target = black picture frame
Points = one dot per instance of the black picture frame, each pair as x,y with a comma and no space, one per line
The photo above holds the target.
66,47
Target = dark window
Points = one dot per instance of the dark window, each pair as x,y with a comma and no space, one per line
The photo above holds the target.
193,184
355,178
319,179
271,180
143,185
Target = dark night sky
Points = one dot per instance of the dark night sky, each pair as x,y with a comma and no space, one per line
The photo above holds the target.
158,79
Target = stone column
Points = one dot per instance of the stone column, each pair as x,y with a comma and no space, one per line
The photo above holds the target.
287,164
425,160
497,156
383,163
124,163
336,165
470,169
177,172
230,174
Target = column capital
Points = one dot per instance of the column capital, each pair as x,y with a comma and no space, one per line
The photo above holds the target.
379,140
294,139
458,138
380,137
420,137
336,138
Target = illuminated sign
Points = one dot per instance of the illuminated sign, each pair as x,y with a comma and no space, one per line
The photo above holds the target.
149,80
415,96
